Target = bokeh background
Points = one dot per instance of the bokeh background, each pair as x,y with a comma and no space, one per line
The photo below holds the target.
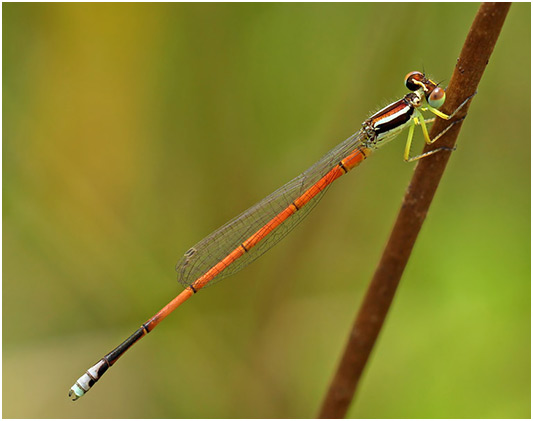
132,131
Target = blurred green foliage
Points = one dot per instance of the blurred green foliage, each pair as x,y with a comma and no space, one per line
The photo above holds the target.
130,131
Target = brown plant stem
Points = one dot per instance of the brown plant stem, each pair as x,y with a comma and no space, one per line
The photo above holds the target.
474,57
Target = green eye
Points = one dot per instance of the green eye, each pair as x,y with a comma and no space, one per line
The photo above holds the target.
437,98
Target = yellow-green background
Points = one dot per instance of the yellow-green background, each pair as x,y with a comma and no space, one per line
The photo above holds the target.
132,131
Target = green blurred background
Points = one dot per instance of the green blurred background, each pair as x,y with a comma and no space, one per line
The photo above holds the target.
132,131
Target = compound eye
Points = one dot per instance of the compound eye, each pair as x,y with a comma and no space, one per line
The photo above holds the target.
414,81
437,97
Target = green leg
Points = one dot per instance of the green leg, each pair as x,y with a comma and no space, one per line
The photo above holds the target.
422,123
445,116
407,150
423,155
419,121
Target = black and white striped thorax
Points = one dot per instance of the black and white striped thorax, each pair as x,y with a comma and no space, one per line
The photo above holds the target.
391,120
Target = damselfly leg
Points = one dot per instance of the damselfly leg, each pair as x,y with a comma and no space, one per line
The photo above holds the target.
419,120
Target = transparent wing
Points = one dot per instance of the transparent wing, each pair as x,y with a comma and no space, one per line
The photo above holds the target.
216,246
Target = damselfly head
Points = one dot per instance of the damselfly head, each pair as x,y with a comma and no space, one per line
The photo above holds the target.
415,80
435,96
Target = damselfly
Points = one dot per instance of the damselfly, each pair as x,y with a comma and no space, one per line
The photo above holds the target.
252,233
